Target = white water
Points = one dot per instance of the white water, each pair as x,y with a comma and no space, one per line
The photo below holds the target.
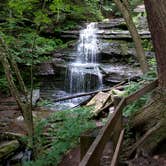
84,74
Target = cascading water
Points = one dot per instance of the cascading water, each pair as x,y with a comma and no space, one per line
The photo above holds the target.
84,75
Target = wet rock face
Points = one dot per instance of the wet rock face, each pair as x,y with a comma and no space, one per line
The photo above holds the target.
105,26
113,29
121,51
90,83
58,63
142,23
117,73
113,23
121,34
116,50
115,45
46,69
108,34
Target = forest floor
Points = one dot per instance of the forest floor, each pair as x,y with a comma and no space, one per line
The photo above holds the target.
72,158
10,120
10,116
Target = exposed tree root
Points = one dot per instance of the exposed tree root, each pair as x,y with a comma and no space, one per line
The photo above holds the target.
144,137
150,124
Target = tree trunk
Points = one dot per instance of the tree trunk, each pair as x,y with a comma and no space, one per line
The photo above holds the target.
151,120
123,7
156,12
127,4
24,107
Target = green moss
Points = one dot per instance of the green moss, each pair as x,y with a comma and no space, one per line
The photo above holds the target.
8,149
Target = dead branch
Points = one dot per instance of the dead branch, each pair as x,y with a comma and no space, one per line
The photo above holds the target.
87,94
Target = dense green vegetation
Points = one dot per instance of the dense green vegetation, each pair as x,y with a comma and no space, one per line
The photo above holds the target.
110,7
63,131
31,28
135,106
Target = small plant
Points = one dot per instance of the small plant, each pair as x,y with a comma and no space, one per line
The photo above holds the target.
147,45
135,106
44,103
132,87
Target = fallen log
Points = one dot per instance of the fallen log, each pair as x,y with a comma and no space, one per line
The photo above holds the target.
80,95
99,101
88,93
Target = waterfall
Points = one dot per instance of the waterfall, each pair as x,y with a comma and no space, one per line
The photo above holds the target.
87,47
83,74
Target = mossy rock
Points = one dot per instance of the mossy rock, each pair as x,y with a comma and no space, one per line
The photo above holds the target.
8,148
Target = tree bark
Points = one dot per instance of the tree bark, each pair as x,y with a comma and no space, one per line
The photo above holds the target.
123,7
24,107
150,123
127,4
156,13
151,120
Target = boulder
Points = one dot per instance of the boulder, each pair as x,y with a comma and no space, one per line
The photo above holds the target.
35,96
8,148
